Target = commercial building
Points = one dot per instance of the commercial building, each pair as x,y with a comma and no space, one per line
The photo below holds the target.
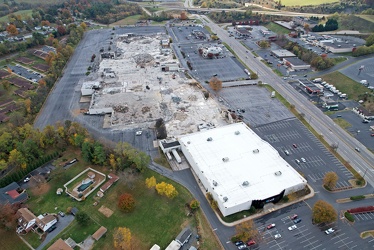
238,168
282,53
310,87
296,64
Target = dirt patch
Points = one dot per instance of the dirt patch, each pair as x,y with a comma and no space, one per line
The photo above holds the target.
40,189
105,211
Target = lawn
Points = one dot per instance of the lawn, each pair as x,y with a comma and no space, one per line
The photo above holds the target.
23,13
369,18
156,219
32,239
351,22
306,2
131,20
8,239
342,123
277,28
353,89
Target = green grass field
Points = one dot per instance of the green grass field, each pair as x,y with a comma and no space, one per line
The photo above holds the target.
306,2
156,219
277,28
369,18
131,20
23,13
353,89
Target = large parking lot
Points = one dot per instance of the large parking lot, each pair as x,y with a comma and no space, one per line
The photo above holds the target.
306,235
292,136
26,73
183,34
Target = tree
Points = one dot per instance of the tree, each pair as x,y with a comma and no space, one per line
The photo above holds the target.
263,44
82,218
323,212
16,159
12,30
330,180
126,202
150,182
166,189
8,215
247,230
370,40
215,84
122,238
194,204
183,16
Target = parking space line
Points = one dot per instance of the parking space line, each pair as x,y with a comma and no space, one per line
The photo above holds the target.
307,239
311,243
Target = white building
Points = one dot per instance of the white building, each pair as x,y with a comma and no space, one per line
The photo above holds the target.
238,168
88,88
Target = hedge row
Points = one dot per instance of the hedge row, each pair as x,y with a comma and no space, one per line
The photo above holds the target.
349,216
357,198
361,210
20,174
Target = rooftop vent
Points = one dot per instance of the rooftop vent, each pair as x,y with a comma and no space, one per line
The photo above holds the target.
215,183
237,132
225,199
225,159
188,142
245,183
278,173
209,139
255,151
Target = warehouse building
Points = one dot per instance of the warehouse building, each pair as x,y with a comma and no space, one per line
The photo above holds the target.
296,64
238,168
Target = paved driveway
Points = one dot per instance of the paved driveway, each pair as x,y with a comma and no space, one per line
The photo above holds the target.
61,225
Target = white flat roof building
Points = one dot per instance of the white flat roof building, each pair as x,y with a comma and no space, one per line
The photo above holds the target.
238,168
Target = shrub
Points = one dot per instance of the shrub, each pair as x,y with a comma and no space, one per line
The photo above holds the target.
126,202
357,198
349,217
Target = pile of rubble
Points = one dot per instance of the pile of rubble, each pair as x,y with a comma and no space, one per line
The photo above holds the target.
142,59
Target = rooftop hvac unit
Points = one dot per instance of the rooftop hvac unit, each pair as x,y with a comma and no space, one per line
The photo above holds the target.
237,132
278,173
188,142
210,139
225,159
225,199
245,183
215,183
256,150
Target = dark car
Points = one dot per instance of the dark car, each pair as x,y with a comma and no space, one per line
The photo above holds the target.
53,227
297,221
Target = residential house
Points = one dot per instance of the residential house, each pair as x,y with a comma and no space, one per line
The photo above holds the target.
112,179
184,236
99,233
26,220
60,244
45,222
12,194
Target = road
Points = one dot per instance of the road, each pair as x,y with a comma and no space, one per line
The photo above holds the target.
362,162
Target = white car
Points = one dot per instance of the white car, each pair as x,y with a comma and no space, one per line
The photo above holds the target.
303,159
292,228
27,179
329,231
277,236
139,132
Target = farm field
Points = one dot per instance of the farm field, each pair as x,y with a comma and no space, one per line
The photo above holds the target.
131,20
22,13
147,225
306,2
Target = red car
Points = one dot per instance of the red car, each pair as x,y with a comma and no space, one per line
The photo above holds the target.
251,243
372,135
270,226
293,217
294,145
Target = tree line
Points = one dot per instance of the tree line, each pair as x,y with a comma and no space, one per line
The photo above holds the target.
22,148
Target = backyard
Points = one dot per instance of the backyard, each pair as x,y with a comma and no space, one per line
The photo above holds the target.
156,219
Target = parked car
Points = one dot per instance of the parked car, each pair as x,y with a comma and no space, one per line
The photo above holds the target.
270,226
139,132
297,221
27,179
303,159
297,161
372,135
286,152
251,243
238,243
277,236
293,217
357,149
329,231
53,227
294,145
61,214
242,247
365,121
292,227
